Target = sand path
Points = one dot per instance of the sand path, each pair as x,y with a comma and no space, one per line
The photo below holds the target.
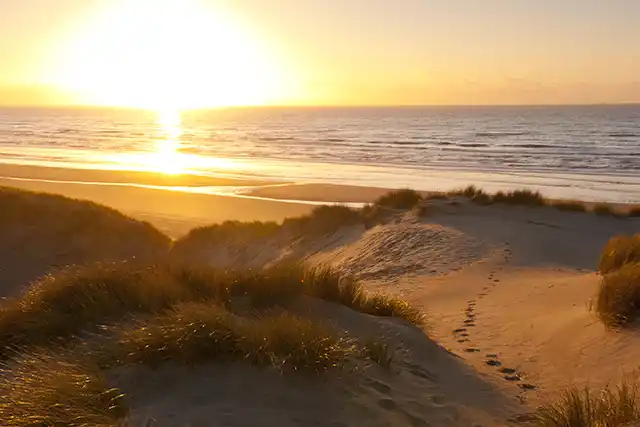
519,316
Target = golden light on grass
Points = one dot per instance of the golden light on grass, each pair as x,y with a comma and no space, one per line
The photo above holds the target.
168,55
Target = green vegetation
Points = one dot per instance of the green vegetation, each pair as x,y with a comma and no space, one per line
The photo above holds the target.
570,206
400,199
583,408
620,250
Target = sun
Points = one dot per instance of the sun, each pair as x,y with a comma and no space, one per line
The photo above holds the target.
166,55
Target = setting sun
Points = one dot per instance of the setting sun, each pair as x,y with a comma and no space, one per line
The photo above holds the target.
165,54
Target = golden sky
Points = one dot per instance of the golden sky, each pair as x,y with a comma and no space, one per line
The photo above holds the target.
201,53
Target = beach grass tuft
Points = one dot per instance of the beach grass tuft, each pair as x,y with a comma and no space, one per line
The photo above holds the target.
611,407
51,388
85,298
603,209
196,333
404,199
568,206
618,299
618,251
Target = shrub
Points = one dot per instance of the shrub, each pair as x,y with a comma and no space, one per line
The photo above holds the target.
618,298
570,206
618,251
52,389
400,199
576,408
634,212
203,333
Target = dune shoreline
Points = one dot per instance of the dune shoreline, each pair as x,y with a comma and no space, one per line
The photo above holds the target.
178,203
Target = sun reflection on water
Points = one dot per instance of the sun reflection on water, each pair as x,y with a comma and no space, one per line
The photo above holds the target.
167,157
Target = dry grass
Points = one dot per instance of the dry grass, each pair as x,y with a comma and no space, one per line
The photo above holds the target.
619,251
618,299
379,352
401,199
51,389
604,209
83,299
570,206
520,198
198,333
323,220
584,408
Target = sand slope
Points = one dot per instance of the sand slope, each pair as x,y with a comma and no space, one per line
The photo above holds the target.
426,386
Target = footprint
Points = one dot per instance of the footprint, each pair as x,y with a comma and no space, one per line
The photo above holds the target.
493,362
464,335
470,325
468,321
418,372
497,280
527,386
472,350
514,377
463,340
379,386
507,371
491,356
387,403
457,331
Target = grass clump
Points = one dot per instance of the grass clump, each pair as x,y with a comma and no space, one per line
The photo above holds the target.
520,198
323,220
83,299
201,333
604,209
50,389
620,250
618,299
583,408
570,206
401,199
379,352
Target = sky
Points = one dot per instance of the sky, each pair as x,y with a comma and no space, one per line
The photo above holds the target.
198,53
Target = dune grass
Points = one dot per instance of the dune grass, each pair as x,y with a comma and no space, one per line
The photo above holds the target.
323,220
517,197
570,206
618,299
85,298
400,199
616,407
604,209
620,250
47,388
196,333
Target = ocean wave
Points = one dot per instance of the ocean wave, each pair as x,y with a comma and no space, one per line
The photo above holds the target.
277,138
535,146
473,145
333,140
624,135
500,134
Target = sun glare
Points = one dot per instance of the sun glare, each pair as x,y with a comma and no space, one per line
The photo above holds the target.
166,55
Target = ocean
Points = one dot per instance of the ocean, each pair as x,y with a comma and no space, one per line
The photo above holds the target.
575,152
